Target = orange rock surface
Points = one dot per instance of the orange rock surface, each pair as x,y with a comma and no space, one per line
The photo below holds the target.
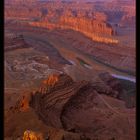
30,135
52,79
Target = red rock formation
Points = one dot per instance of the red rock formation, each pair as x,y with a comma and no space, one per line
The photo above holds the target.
91,23
93,29
55,97
86,25
30,135
14,41
68,105
21,12
51,81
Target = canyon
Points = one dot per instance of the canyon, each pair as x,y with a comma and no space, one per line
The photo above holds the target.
93,23
69,70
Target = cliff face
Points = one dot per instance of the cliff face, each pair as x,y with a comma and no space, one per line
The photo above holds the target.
94,29
91,28
14,42
86,25
90,22
81,107
54,96
32,136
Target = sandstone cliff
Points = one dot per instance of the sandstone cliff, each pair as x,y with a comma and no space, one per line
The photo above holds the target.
97,31
94,24
67,104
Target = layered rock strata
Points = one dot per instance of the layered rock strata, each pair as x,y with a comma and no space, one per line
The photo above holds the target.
94,29
60,98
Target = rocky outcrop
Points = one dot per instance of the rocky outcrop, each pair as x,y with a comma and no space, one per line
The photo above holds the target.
30,135
21,11
94,29
113,83
21,104
52,97
86,25
63,103
121,90
71,110
14,42
57,135
91,23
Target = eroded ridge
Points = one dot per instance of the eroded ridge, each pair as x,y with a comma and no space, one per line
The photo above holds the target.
63,103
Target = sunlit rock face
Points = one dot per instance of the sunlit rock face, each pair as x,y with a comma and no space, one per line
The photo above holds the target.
94,29
30,135
52,79
87,25
53,135
94,24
